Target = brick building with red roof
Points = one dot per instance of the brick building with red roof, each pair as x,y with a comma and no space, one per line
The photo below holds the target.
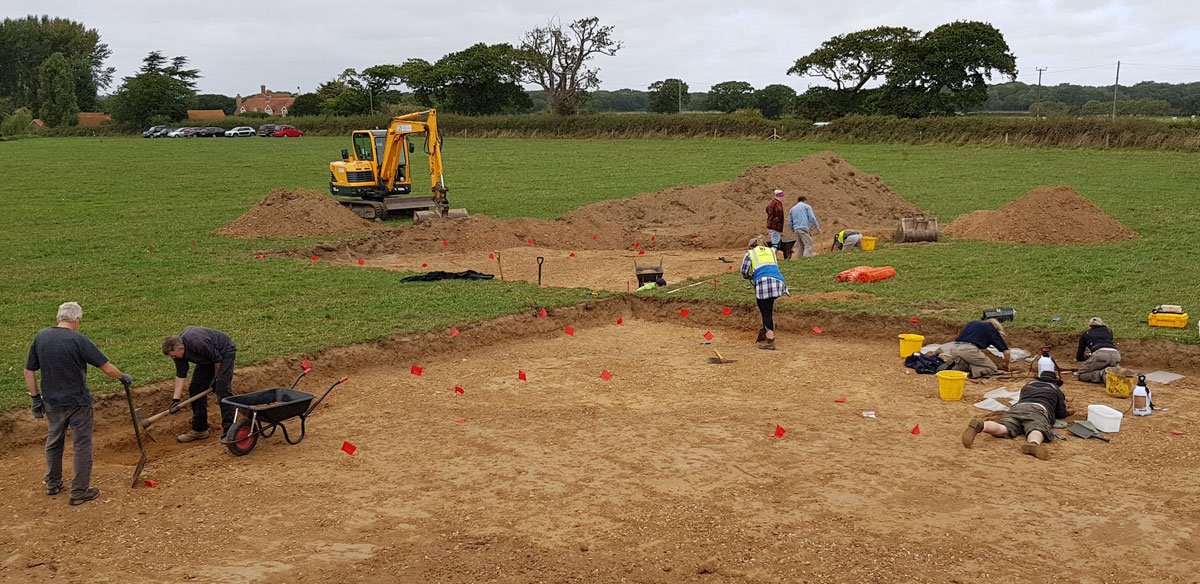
272,104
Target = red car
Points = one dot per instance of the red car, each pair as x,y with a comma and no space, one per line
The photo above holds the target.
287,132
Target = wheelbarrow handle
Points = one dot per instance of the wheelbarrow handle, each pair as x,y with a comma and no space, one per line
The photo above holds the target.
322,398
303,372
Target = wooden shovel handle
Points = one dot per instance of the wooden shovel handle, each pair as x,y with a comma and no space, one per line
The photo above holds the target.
156,417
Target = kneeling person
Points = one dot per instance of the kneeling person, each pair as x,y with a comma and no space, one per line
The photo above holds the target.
966,352
846,240
213,353
1098,340
1033,415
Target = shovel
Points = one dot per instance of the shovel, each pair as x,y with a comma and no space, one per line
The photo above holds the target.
719,360
1084,432
137,432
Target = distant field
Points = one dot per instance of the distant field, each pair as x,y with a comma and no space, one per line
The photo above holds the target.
82,213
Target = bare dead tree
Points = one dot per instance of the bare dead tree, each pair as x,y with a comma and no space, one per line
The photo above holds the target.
556,60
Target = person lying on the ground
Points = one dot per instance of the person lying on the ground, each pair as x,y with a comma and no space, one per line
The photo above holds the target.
846,240
1033,415
1098,341
966,352
214,353
762,266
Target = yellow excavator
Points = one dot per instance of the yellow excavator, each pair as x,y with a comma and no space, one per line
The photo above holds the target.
374,178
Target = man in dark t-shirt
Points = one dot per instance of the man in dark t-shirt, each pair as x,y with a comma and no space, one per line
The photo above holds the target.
213,353
1040,403
62,355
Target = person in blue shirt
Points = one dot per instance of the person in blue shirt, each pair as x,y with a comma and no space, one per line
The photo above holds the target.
966,352
803,224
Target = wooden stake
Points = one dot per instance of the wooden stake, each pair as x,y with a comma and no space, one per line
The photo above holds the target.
499,265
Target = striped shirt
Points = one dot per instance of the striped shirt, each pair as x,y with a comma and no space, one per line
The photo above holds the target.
764,287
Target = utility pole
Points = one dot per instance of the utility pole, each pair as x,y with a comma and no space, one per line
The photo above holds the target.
1116,84
1040,70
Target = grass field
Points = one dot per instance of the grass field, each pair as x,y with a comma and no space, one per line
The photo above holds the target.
82,213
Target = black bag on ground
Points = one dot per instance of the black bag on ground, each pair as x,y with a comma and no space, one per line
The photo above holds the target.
925,364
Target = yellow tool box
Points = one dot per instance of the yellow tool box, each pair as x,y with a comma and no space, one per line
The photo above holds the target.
1168,319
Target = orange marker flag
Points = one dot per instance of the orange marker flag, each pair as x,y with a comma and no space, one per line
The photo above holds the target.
445,243
458,390
349,448
916,431
571,255
653,238
620,320
361,261
417,370
150,483
491,256
314,258
461,420
726,311
605,375
454,331
840,400
779,431
708,336
529,241
306,365
817,330
570,330
423,265
259,256
683,313
542,313
521,375
641,252
913,320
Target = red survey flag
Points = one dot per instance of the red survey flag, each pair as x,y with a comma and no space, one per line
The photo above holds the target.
840,400
641,252
416,370
637,245
683,313
445,243
314,258
454,331
521,375
461,420
726,311
620,320
424,265
459,390
529,241
1176,433
779,431
349,448
259,256
653,238
306,365
708,336
913,320
817,330
606,375
542,313
916,431
361,261
570,330
150,483
593,237
571,255
491,256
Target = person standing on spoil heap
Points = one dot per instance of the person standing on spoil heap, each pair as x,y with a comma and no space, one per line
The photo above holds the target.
775,219
966,352
1098,340
761,266
1032,415
803,224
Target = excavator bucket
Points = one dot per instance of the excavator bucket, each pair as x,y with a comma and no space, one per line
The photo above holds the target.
917,228
420,217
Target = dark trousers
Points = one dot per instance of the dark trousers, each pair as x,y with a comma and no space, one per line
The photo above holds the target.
202,377
79,420
766,306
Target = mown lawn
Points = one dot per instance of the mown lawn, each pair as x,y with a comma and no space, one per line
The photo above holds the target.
81,214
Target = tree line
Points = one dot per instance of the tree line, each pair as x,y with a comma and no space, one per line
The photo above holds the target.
1147,98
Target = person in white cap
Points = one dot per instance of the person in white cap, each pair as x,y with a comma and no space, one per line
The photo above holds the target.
1098,340
775,219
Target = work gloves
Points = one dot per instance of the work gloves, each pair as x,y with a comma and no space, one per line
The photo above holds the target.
39,407
127,379
174,409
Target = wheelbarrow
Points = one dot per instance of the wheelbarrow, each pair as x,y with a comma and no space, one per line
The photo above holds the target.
260,413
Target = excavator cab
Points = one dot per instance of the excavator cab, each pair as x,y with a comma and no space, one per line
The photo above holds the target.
374,177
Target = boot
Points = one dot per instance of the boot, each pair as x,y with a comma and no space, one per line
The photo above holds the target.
762,335
768,344
1038,450
192,436
87,495
973,427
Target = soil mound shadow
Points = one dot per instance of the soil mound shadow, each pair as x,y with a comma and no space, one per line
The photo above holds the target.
1044,215
719,215
297,213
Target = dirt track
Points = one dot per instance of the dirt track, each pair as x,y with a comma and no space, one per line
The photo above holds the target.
666,473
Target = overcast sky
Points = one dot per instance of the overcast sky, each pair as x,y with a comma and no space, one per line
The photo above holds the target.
300,43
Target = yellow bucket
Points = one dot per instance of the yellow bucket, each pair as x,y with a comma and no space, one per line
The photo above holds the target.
1118,382
868,243
950,384
910,344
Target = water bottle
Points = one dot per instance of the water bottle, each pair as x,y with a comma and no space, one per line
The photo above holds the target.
1141,398
1045,363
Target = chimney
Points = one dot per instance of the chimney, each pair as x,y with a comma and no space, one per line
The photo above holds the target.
262,89
238,107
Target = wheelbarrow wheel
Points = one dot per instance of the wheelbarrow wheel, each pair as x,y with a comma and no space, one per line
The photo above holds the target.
241,438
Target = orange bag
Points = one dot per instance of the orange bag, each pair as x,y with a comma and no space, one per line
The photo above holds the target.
875,275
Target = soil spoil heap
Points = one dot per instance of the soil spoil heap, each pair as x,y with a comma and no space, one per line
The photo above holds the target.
1044,215
719,215
298,213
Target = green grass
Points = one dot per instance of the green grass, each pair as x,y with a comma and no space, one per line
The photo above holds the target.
81,214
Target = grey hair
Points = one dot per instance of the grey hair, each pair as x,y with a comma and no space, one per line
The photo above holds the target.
70,312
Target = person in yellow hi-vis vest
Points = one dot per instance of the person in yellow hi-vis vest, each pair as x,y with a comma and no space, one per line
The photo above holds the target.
846,240
761,265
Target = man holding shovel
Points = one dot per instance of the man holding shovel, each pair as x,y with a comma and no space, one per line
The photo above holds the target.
213,353
1033,415
62,355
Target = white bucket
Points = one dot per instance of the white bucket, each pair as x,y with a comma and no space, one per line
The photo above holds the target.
1104,418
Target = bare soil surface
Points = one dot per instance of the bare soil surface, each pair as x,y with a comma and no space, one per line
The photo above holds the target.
721,215
1043,215
298,213
667,473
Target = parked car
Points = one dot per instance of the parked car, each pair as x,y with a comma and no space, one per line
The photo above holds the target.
164,131
180,132
287,132
210,132
152,132
266,130
240,132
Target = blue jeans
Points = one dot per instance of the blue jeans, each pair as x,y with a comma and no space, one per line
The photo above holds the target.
776,237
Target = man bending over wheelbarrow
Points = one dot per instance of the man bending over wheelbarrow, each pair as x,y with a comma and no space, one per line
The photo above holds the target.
213,352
